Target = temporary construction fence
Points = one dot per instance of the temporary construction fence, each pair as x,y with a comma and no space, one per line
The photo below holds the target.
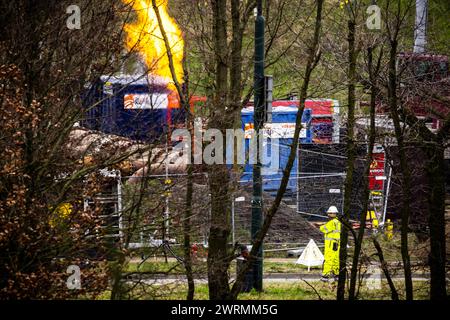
318,183
321,178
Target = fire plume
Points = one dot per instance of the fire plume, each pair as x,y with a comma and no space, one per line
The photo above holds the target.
144,36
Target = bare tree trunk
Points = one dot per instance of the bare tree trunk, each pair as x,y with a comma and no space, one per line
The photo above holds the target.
436,222
359,239
189,192
183,94
406,179
433,145
313,59
350,166
394,294
187,235
218,256
116,269
236,63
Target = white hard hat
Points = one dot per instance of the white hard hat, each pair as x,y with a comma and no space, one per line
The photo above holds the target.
332,209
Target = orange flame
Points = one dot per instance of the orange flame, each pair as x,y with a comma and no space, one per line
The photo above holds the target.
145,36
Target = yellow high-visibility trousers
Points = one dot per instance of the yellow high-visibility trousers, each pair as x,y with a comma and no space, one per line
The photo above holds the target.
331,263
389,230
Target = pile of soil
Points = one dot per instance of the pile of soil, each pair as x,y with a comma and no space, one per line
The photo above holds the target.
287,225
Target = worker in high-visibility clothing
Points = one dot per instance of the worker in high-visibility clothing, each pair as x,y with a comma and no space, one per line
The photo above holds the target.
332,233
372,219
389,229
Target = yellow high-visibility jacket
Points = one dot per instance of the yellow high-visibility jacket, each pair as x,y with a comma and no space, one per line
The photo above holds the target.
389,226
372,217
332,235
332,230
389,230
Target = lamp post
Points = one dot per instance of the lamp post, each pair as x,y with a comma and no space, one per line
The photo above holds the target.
239,199
257,205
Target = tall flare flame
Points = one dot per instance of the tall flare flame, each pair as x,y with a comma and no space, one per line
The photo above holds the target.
145,36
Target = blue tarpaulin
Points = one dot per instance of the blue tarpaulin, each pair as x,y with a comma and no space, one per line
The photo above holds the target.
282,130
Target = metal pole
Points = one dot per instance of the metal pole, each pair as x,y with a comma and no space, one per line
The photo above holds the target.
258,123
343,193
119,203
166,213
420,32
232,220
297,196
386,196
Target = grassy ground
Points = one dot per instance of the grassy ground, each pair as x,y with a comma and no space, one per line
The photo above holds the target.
295,290
391,248
174,268
277,291
281,264
303,291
